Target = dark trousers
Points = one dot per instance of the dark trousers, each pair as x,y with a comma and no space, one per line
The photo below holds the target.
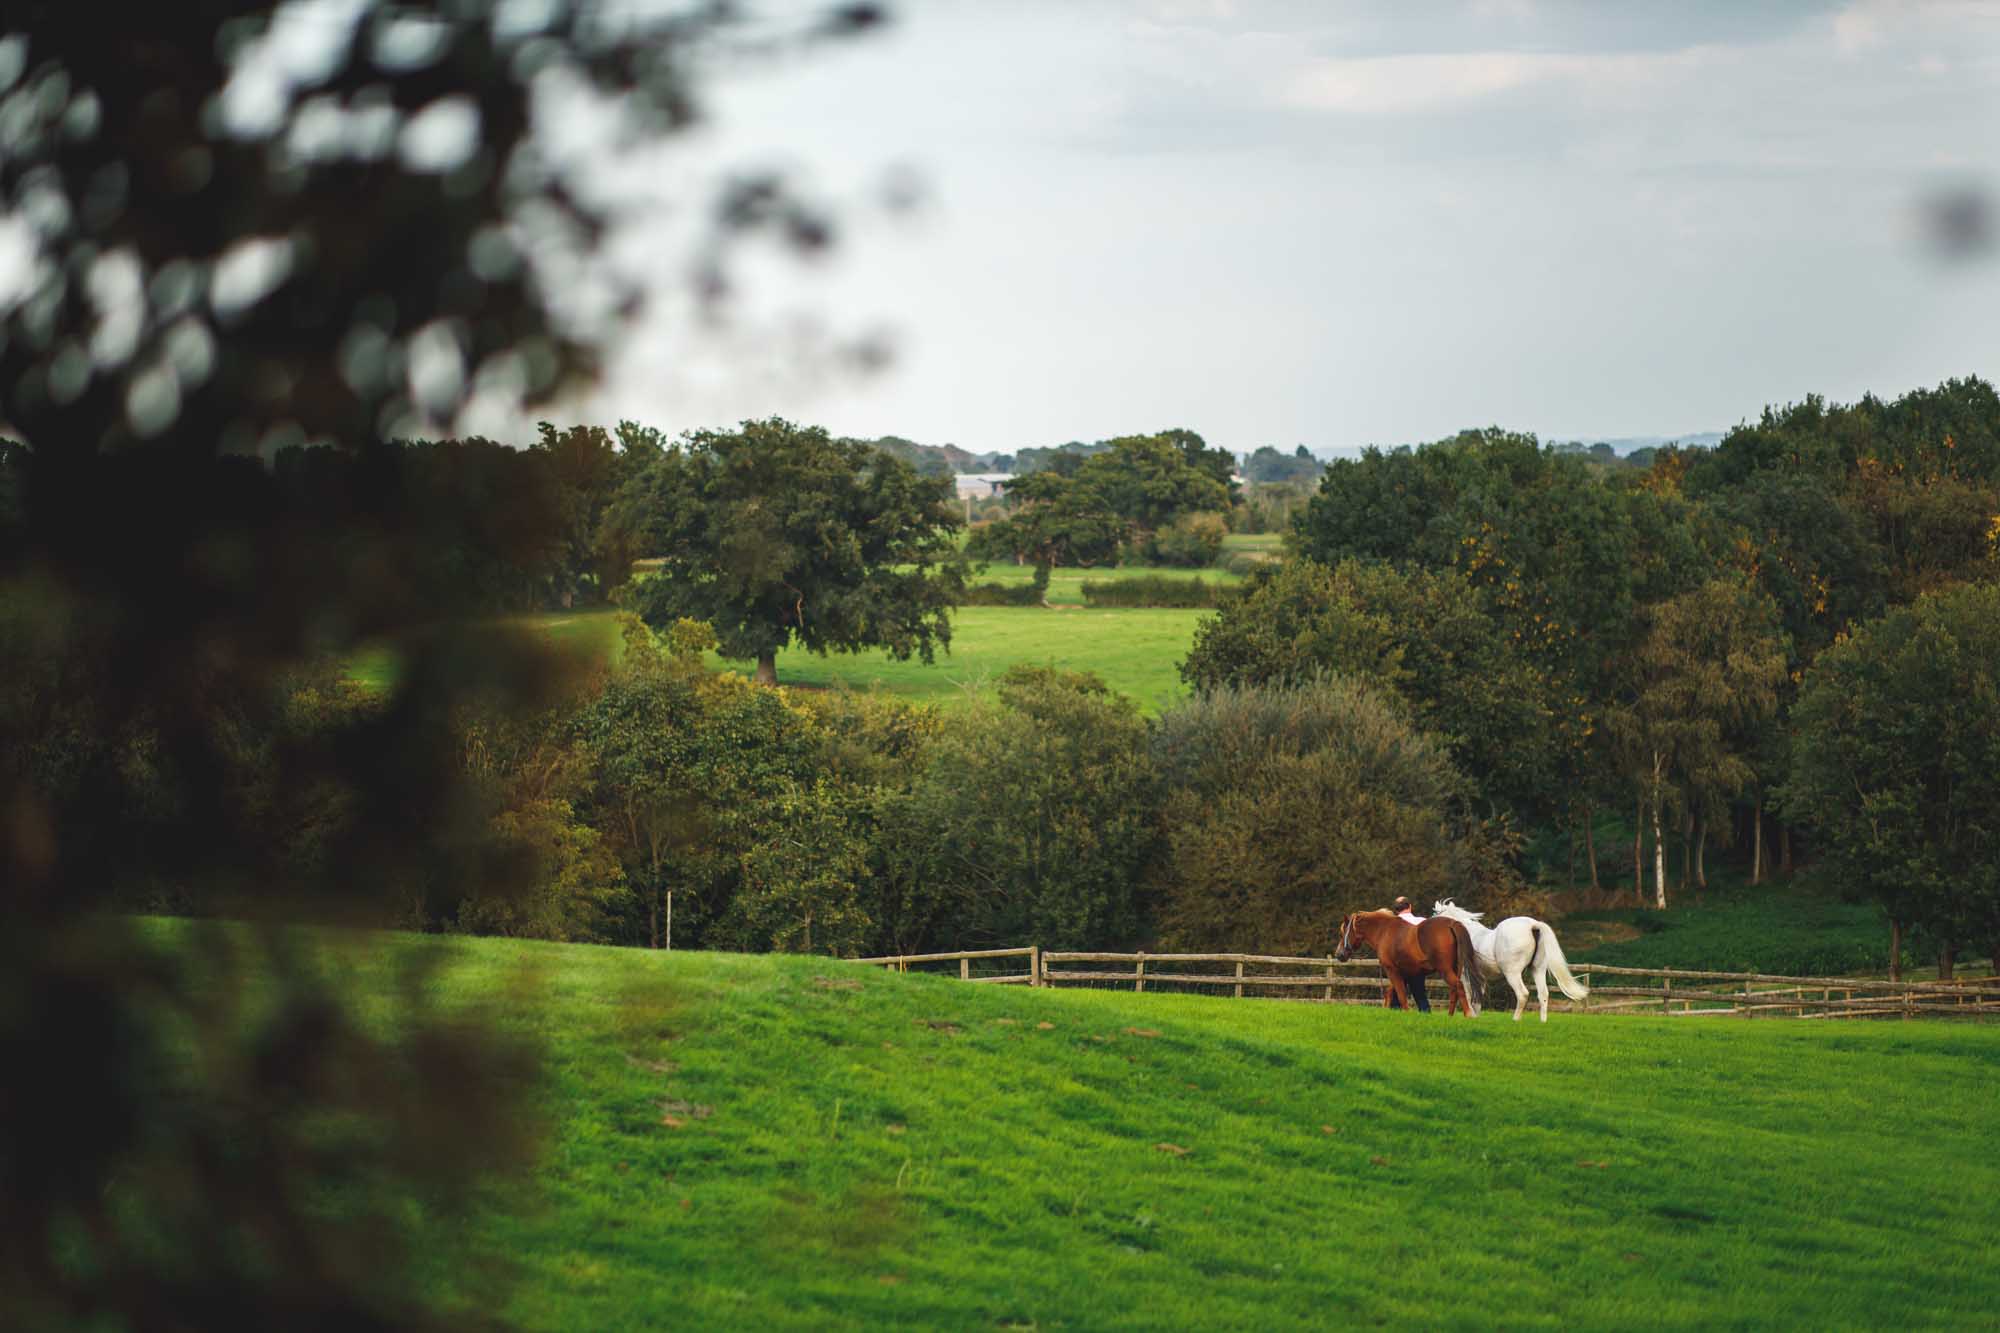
1417,996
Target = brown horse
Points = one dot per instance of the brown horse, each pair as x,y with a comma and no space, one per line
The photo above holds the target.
1407,952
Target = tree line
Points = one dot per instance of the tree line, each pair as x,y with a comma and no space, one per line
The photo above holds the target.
656,801
1727,649
1719,638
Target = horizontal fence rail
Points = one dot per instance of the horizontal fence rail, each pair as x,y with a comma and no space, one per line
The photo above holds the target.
1327,975
1613,990
964,958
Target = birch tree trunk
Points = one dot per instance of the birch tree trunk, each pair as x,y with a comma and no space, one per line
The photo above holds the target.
1590,852
1895,949
1757,843
1701,855
1639,850
653,898
1659,844
1687,849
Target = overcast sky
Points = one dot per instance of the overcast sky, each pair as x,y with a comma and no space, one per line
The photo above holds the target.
1342,224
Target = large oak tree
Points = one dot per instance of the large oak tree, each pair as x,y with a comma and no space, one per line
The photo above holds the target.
777,534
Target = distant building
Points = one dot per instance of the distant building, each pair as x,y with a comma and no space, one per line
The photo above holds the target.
982,485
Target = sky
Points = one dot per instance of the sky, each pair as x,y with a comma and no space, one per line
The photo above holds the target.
1324,222
1344,224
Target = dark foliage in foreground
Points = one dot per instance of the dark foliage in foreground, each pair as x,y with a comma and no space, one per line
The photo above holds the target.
213,278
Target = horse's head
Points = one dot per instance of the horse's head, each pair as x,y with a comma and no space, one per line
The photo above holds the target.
1352,933
1346,949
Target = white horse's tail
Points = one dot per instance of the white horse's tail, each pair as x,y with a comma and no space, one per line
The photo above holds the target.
1468,967
1559,965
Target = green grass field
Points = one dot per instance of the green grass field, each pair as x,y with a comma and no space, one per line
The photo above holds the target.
779,1142
1137,652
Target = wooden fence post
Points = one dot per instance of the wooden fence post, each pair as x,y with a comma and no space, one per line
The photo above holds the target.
1667,995
965,969
1035,977
1329,977
1239,981
1140,984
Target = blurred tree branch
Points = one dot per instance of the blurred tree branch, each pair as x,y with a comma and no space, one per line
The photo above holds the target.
245,228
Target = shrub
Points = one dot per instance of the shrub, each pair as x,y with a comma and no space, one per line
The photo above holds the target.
1290,806
1151,590
1034,821
1247,563
994,593
1191,541
802,877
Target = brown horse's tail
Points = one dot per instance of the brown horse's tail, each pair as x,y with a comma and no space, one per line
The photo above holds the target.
1467,964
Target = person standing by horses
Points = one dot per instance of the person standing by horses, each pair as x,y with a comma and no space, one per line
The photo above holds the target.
1402,908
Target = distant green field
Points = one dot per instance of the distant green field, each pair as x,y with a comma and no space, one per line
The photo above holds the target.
1137,652
1271,542
779,1142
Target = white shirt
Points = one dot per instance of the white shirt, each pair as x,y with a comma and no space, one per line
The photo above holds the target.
1411,918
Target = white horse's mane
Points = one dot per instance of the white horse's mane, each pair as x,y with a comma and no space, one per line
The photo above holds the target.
1513,946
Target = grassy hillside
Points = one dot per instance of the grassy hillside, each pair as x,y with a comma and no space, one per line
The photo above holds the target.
755,1142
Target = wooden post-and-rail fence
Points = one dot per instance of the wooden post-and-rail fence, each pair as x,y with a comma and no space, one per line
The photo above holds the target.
1612,989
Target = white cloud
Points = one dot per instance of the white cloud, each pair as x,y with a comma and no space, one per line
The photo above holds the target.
1867,24
1412,84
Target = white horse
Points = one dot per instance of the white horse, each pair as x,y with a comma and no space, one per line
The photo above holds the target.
1516,943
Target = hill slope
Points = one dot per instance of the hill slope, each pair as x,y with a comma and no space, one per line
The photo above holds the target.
779,1142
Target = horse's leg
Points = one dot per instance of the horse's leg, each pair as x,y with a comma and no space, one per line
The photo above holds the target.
1520,986
1398,993
1542,987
